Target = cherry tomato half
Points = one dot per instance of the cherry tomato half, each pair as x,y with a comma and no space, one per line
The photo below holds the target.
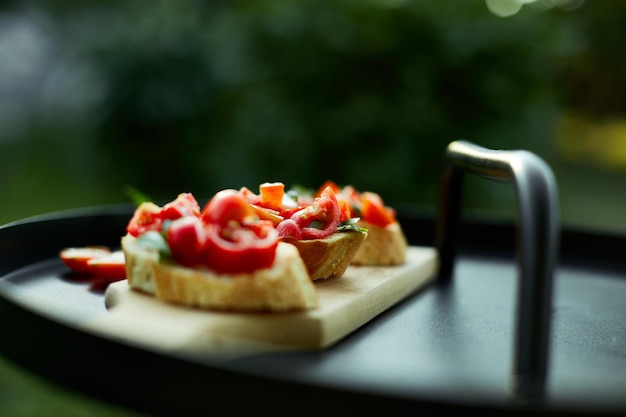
226,206
186,238
241,248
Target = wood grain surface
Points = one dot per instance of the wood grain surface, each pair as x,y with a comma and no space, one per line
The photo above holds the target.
346,303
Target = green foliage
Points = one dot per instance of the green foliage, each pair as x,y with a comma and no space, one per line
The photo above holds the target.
198,96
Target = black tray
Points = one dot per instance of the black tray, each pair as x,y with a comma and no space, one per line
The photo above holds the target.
451,347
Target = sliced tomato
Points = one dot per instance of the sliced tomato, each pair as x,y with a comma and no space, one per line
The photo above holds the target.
77,258
321,218
289,212
241,248
145,218
226,206
111,267
185,204
345,200
186,238
328,183
374,211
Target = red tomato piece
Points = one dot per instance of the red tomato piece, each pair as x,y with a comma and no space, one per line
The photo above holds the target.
186,238
374,211
250,195
226,206
288,213
241,248
320,219
77,258
288,229
349,194
328,183
145,218
344,210
185,204
111,267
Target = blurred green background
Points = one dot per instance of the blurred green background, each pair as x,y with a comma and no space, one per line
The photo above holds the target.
197,96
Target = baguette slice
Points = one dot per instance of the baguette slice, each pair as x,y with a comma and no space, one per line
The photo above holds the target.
385,246
331,256
285,286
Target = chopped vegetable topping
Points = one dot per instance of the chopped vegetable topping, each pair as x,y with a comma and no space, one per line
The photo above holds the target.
237,231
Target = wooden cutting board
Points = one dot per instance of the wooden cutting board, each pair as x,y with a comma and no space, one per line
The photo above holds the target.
346,303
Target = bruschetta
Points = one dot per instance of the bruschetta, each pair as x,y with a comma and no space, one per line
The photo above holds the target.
386,243
318,225
221,257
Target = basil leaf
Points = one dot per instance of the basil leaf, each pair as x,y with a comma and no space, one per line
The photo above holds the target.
155,241
135,195
351,225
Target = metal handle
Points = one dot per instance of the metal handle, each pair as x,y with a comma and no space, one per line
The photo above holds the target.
537,245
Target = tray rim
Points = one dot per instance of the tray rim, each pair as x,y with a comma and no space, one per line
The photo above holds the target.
370,402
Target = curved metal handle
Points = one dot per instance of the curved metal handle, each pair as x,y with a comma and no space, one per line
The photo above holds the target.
537,245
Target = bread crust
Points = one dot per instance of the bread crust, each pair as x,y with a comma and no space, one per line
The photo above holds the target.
385,246
331,256
285,286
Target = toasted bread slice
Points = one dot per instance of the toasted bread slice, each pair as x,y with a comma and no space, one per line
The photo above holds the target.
385,246
285,286
331,256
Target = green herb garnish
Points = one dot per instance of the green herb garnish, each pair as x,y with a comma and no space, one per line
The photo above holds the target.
351,225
